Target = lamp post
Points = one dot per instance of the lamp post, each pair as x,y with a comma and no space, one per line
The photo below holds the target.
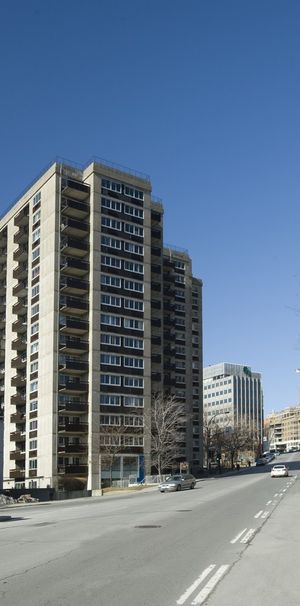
208,437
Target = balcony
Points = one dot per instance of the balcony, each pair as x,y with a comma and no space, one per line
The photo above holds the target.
73,326
73,247
74,267
66,427
19,380
20,290
17,436
74,228
17,455
20,308
73,448
73,387
2,271
22,218
73,286
75,189
19,344
21,253
2,288
73,366
20,327
70,469
74,208
2,321
21,271
3,254
71,345
18,398
18,417
73,305
72,406
17,474
21,236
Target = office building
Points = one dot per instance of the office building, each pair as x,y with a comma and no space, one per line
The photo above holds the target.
232,394
95,316
282,429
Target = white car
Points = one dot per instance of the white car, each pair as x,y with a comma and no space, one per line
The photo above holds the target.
279,471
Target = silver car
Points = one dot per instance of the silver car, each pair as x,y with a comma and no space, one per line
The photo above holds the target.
177,482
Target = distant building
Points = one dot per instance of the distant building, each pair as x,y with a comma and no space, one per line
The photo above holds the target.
233,392
282,429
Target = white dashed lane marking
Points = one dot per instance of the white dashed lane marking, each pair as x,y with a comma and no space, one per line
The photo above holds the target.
196,584
257,515
248,536
204,593
238,536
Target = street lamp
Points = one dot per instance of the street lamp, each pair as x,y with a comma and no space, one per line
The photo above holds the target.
217,414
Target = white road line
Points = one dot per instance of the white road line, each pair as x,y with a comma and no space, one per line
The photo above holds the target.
258,514
269,503
281,494
196,584
284,490
276,495
238,536
248,536
201,597
265,515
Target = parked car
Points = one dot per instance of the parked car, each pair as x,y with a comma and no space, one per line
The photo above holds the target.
279,471
177,482
261,461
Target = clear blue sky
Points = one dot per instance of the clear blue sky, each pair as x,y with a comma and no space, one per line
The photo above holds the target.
205,97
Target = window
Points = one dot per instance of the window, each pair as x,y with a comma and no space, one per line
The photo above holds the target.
110,420
136,249
111,320
110,281
133,440
35,253
32,463
111,223
179,279
35,272
32,444
110,359
134,362
135,382
35,328
134,212
133,421
111,204
111,242
36,216
34,347
33,386
110,339
36,199
132,323
108,400
134,304
34,366
113,185
36,234
111,261
35,309
110,380
179,265
33,425
33,405
138,268
35,290
110,440
131,285
134,343
133,193
134,401
111,300
135,230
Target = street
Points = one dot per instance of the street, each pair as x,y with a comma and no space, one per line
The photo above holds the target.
145,548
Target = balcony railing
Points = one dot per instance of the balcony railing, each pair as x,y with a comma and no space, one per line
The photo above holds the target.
73,228
74,267
72,427
72,345
74,208
73,247
73,387
78,469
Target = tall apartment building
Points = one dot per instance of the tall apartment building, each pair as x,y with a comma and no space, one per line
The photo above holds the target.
96,316
233,393
282,429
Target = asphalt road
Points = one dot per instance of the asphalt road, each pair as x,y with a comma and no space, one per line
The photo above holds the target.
141,549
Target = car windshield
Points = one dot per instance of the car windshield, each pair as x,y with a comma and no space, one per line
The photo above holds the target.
279,467
170,478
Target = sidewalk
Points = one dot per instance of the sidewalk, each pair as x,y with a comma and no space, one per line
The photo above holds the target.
268,572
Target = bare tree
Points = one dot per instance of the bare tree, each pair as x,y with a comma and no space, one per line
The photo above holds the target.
214,435
167,422
113,439
237,438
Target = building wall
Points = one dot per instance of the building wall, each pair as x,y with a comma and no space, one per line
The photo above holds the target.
282,429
